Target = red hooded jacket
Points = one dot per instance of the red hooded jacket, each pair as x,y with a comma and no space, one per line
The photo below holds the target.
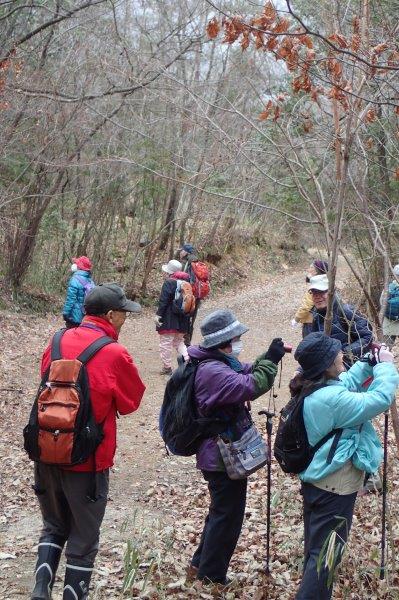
115,384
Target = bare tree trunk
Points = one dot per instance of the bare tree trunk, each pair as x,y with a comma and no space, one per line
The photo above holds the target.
342,181
170,216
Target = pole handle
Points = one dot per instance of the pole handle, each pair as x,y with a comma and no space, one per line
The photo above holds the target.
269,415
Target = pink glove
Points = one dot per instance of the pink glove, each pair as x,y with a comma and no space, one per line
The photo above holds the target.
383,354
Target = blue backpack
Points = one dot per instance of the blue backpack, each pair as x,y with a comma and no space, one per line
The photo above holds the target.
392,308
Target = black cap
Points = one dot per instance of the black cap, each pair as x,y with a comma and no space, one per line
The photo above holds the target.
316,352
108,296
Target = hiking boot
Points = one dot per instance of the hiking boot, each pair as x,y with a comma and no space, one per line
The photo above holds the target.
191,573
166,371
48,558
221,584
217,590
77,581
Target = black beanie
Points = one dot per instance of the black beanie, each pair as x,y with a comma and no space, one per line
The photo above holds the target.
315,353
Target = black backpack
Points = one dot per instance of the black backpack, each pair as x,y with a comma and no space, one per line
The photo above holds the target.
181,427
291,447
62,430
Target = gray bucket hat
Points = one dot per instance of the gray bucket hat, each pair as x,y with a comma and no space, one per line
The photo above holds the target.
220,326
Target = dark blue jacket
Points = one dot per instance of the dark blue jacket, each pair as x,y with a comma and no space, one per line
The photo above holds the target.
349,327
171,322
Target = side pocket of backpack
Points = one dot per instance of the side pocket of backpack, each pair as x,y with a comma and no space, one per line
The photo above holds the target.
31,434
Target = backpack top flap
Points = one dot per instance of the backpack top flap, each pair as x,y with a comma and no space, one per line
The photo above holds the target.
200,270
64,371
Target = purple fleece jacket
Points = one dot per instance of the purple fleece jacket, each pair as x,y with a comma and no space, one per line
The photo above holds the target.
220,390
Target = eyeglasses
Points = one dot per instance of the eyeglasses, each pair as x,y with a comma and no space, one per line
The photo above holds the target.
318,292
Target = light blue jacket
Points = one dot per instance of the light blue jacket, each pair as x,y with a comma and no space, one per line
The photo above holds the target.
346,404
73,307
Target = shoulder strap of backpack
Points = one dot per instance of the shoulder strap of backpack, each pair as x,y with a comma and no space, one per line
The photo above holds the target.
94,347
56,344
335,432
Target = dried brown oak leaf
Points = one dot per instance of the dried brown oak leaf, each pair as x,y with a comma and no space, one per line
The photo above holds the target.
213,28
266,112
371,116
339,39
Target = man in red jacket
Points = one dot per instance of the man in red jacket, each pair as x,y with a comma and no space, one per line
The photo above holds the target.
70,512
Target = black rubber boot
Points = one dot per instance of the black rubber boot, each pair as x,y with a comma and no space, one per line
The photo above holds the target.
77,581
48,558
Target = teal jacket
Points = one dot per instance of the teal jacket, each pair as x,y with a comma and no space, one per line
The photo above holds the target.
79,285
345,403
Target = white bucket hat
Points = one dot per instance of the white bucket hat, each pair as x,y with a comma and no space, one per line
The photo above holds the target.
172,267
318,282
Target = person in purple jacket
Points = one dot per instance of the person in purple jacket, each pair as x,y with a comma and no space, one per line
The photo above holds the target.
223,387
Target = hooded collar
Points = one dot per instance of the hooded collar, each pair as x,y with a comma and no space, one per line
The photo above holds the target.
200,353
81,273
102,324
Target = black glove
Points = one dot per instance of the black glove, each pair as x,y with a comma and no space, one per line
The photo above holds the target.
276,351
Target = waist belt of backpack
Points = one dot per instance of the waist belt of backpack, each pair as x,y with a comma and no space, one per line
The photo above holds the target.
84,358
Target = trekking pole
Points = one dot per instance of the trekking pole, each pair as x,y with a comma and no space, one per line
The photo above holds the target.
384,497
269,429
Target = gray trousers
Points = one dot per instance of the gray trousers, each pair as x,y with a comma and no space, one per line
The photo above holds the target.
68,514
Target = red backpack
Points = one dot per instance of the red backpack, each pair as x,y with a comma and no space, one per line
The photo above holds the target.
199,279
62,429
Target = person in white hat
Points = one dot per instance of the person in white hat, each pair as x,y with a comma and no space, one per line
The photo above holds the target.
348,326
303,315
171,325
390,323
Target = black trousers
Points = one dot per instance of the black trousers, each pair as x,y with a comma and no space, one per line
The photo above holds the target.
188,336
68,515
323,512
222,526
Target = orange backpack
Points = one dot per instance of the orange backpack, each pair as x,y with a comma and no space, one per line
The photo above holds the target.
199,278
62,429
184,300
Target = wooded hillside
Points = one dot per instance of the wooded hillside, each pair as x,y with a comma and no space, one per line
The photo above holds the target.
129,127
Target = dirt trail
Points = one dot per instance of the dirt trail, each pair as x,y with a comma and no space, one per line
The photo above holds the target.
265,307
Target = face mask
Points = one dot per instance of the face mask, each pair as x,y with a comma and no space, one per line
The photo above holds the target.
236,348
74,267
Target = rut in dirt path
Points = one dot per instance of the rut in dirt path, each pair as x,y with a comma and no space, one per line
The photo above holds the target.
141,463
